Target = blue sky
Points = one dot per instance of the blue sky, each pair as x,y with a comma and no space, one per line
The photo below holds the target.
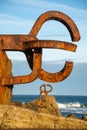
18,17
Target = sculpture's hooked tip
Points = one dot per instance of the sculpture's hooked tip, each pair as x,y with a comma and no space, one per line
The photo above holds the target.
58,16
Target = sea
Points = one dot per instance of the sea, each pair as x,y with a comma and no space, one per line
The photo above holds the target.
67,105
70,94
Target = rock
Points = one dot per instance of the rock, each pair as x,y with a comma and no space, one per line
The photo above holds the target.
6,72
84,118
48,106
14,117
19,104
72,115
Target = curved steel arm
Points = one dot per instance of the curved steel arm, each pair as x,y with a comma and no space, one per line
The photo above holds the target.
59,76
59,16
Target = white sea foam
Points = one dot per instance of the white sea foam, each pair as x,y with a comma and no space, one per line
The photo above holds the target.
74,107
71,105
60,105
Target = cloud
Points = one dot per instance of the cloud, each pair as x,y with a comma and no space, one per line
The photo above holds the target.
11,24
6,16
33,9
46,4
23,14
36,7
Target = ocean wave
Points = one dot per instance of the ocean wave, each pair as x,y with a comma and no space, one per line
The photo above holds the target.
75,107
74,110
71,105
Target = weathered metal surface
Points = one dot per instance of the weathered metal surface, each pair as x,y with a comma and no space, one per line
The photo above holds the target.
43,91
5,70
32,47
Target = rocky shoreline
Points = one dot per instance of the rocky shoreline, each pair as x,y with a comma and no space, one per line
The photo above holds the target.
37,115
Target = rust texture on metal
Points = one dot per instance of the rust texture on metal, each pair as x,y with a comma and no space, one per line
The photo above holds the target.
43,90
32,47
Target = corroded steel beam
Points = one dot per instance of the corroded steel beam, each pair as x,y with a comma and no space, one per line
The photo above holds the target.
9,43
14,42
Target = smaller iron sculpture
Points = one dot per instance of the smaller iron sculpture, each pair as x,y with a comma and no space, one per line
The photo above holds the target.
43,91
31,46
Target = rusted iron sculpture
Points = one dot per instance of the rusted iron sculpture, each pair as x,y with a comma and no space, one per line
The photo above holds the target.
44,91
31,46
